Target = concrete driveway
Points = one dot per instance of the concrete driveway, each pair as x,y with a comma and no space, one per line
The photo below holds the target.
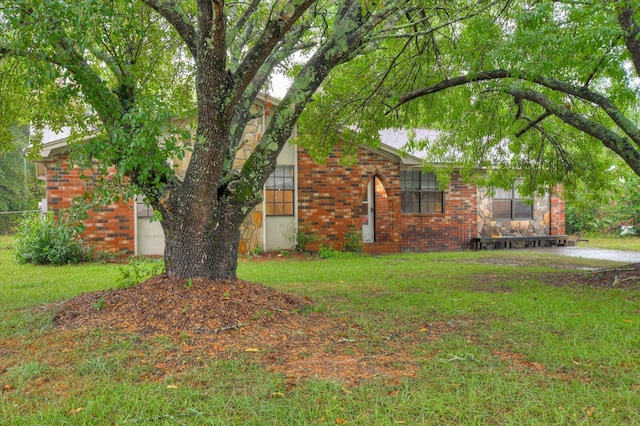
593,253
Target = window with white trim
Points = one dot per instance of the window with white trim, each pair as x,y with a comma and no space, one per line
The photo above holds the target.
143,210
279,190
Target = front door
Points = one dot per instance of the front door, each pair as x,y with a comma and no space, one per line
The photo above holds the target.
368,213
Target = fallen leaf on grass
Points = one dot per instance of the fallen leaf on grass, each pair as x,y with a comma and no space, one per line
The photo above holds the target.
590,411
340,421
252,350
76,410
628,321
172,387
7,388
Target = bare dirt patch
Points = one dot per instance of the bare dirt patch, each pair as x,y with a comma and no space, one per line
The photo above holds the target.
627,277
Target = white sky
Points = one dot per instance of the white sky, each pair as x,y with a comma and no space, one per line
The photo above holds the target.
279,85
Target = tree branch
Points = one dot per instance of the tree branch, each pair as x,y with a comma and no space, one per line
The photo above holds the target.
532,123
275,30
242,115
174,14
612,140
453,82
631,34
237,28
626,125
394,32
348,38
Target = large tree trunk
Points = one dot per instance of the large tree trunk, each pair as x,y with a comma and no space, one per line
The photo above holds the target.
210,251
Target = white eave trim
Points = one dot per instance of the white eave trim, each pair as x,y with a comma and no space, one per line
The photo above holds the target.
53,148
393,154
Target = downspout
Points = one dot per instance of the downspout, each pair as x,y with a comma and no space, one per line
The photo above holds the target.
550,213
295,183
135,226
264,199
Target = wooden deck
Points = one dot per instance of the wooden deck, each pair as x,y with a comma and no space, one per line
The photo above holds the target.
519,242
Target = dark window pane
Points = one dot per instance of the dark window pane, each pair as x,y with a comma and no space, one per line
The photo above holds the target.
503,194
501,209
508,204
420,192
522,210
410,202
431,202
429,182
281,178
143,211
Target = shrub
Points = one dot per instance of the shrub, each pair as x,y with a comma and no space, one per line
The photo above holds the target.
582,220
44,239
353,240
330,253
139,269
302,238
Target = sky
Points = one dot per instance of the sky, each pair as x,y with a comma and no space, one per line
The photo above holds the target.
279,85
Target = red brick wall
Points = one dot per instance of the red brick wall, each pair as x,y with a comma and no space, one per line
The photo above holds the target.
110,228
451,230
557,212
330,201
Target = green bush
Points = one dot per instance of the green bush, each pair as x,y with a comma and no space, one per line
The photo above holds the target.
353,240
582,220
44,239
302,238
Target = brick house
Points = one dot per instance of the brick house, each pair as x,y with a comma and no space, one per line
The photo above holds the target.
384,196
399,208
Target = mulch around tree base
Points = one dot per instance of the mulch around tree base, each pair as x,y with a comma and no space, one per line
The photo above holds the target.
228,320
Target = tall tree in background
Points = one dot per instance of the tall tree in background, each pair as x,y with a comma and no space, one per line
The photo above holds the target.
536,88
18,186
19,189
138,64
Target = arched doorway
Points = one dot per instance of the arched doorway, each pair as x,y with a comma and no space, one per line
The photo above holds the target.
375,212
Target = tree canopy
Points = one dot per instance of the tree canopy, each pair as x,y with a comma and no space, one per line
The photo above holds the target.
533,88
121,71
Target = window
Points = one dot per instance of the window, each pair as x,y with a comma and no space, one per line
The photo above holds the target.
509,204
420,192
279,192
143,211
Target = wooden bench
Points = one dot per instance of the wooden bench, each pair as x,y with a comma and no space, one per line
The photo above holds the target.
519,242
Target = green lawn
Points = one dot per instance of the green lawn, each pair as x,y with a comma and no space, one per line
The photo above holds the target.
529,353
619,243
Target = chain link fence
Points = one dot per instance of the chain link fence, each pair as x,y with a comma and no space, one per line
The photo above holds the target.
9,220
